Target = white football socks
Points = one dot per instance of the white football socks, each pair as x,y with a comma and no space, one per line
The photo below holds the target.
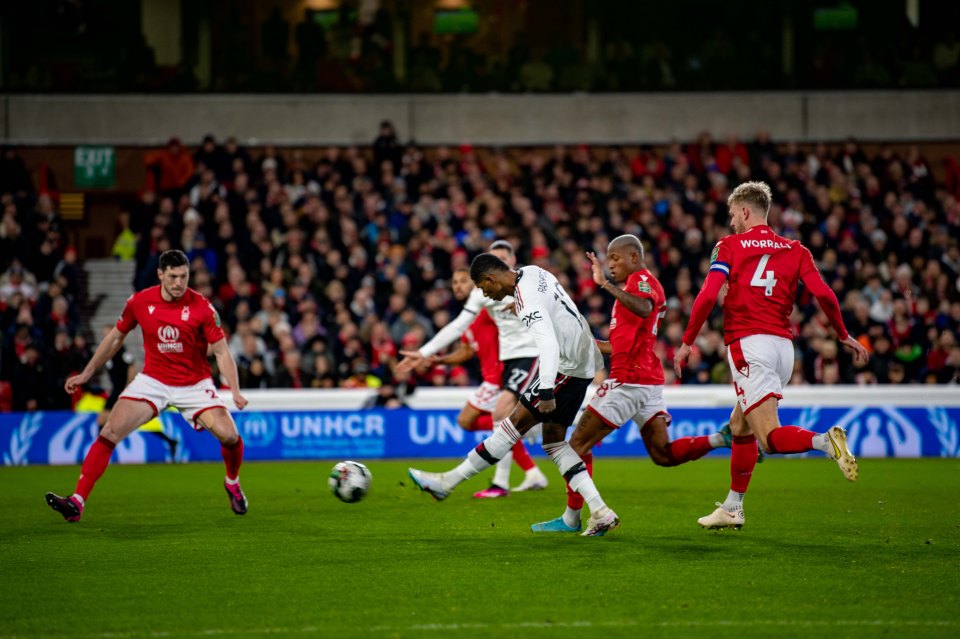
497,445
565,458
822,443
501,476
734,501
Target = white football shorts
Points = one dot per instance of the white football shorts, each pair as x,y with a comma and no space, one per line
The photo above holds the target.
616,404
761,366
485,397
191,401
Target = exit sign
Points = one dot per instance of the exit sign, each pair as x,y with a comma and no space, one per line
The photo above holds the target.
94,167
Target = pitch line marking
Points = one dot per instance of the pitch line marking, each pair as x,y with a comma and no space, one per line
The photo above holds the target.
215,632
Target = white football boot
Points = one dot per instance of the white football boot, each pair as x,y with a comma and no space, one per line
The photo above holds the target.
533,480
837,437
600,522
723,518
431,483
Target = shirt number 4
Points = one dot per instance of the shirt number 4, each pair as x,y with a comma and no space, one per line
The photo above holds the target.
765,280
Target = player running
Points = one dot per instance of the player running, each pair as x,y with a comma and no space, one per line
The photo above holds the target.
568,360
178,324
634,389
518,352
763,270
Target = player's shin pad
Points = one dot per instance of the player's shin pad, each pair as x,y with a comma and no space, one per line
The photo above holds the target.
574,472
566,459
494,448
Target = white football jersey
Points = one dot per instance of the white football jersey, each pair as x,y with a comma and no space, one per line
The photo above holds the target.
515,340
561,333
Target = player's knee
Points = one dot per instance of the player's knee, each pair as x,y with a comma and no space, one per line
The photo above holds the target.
108,432
464,423
580,443
738,426
661,456
765,445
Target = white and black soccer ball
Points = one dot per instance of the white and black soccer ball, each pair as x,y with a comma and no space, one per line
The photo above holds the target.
350,481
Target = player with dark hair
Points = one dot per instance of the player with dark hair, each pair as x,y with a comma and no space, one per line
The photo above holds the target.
568,360
634,389
762,270
518,352
178,325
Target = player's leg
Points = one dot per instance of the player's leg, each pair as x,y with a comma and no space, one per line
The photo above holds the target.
774,438
470,419
664,452
574,471
478,415
654,419
125,418
221,425
590,430
516,373
500,484
743,459
758,385
486,454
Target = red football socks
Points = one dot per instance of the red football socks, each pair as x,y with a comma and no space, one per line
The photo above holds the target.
743,458
574,500
521,457
687,449
790,439
484,422
232,457
94,464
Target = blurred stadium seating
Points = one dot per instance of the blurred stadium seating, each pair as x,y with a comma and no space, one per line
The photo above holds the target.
326,262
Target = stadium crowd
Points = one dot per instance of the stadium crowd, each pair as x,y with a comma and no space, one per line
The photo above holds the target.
323,270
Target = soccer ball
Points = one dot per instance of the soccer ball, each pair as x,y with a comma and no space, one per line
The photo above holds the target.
350,481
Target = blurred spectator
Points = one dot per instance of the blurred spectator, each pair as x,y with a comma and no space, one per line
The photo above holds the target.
125,246
170,168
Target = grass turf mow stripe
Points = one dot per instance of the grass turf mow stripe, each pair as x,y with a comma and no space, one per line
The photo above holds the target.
159,554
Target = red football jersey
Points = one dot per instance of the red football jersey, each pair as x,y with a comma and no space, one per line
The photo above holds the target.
763,270
175,334
632,338
484,339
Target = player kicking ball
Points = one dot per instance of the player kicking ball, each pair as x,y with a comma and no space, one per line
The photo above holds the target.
517,351
178,324
568,360
482,340
634,389
762,270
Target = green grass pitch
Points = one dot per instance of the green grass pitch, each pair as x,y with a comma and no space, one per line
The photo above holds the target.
159,554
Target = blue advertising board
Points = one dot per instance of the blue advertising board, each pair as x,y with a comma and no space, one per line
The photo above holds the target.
64,437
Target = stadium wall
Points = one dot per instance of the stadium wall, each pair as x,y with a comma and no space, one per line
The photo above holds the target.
888,116
903,421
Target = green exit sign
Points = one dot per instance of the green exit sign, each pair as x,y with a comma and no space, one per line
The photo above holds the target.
94,167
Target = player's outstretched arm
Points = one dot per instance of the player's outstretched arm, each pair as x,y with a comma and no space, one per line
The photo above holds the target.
605,347
827,299
637,305
410,361
105,352
228,368
459,356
